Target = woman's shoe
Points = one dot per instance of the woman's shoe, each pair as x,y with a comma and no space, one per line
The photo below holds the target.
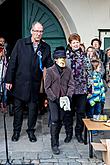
79,139
68,139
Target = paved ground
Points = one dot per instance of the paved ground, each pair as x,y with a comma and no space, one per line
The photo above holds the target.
40,153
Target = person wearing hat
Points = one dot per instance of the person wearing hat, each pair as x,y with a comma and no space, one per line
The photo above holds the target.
96,43
59,87
97,96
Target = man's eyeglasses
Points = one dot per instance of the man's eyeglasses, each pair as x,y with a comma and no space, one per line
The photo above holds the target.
37,31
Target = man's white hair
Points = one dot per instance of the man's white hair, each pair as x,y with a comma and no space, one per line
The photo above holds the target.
36,22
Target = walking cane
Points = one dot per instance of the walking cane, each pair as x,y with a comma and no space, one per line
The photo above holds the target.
6,142
4,109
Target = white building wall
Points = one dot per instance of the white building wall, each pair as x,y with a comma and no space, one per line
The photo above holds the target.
88,16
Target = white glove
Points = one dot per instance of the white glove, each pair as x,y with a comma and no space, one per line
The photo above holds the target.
65,103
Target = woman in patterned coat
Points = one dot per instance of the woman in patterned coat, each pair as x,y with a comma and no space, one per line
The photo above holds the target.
82,74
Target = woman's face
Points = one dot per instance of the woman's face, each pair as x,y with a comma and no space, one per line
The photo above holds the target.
96,45
75,44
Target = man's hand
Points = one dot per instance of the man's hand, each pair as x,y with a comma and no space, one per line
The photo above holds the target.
8,86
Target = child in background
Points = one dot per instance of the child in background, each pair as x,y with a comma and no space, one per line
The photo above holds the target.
92,54
97,97
107,67
82,46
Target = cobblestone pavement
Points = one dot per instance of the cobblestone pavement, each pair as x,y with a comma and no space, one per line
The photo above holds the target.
40,153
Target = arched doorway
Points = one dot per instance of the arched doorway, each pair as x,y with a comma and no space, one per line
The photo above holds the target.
11,21
21,13
36,11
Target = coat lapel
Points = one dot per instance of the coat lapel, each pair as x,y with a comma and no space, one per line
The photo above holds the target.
55,70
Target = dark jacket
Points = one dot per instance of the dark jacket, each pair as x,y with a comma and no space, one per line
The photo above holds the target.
23,71
57,85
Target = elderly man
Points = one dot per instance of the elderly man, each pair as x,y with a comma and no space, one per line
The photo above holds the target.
23,78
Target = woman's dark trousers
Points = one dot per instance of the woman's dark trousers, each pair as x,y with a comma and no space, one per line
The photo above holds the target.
79,105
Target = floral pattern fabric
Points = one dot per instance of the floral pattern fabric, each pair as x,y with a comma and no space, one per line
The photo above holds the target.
81,69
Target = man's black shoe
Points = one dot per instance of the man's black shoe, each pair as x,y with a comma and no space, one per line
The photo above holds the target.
32,137
79,139
67,139
15,136
55,150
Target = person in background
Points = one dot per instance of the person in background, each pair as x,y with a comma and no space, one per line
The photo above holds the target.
23,78
3,54
2,41
3,68
92,54
7,57
97,96
6,47
90,51
82,74
58,83
96,43
107,67
83,47
4,44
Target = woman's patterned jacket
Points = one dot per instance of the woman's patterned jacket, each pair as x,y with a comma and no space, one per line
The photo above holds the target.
81,69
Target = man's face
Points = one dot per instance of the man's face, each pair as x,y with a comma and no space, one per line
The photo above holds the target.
61,62
37,31
75,44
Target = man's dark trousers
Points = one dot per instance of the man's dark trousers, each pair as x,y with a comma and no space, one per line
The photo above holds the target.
18,115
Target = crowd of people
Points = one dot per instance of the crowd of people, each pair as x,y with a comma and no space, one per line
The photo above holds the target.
74,82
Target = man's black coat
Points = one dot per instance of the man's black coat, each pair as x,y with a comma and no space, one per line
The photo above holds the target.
23,70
